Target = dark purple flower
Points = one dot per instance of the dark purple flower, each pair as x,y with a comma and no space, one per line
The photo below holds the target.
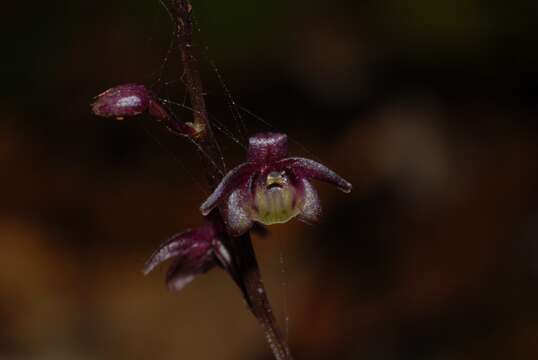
194,253
270,188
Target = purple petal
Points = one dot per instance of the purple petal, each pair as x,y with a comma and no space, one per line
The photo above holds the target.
236,211
266,148
192,248
307,168
310,206
170,248
122,101
194,252
233,179
195,258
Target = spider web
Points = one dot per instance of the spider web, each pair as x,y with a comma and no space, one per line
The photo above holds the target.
171,91
244,122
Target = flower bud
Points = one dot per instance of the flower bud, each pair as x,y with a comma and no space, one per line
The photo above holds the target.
122,101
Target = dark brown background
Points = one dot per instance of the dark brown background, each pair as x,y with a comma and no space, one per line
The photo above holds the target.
427,107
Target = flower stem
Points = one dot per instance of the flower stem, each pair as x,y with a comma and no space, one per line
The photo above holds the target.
245,272
250,282
203,136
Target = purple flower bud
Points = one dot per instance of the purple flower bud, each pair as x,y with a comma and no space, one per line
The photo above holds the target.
130,100
122,101
270,188
194,253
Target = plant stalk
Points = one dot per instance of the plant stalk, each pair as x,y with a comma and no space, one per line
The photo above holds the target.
245,271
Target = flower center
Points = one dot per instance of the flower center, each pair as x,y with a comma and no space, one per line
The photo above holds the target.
276,180
275,201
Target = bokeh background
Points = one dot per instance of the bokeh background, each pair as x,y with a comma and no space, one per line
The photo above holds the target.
427,107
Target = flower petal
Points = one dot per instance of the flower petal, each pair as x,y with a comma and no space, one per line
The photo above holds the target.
172,247
233,179
193,253
310,206
236,212
307,168
193,249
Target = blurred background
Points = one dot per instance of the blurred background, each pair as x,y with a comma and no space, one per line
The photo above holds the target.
427,107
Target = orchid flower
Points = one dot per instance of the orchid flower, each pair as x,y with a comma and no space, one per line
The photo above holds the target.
270,187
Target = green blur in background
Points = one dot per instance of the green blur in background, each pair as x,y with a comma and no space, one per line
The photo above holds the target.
427,107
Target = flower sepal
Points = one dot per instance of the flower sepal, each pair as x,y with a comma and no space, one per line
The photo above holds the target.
193,252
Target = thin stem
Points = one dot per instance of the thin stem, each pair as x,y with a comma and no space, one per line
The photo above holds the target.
253,289
181,12
245,271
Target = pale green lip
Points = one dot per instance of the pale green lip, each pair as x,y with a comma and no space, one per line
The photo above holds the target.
275,205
